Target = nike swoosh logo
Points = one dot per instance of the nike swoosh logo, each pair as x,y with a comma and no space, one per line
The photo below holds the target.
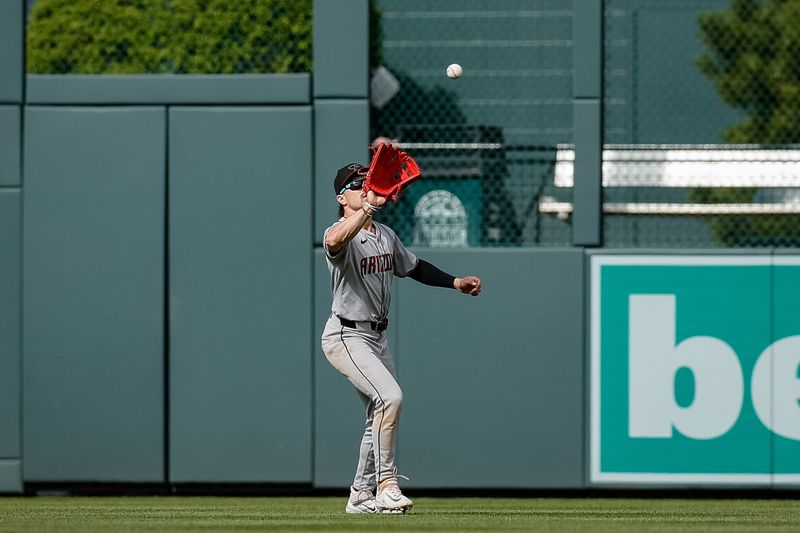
363,241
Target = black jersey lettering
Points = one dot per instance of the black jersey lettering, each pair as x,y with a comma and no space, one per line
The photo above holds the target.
376,264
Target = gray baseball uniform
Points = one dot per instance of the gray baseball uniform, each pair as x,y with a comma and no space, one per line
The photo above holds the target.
361,283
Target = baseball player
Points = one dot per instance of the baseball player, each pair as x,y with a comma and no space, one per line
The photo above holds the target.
363,257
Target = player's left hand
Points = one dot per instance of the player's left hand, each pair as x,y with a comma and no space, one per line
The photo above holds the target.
468,285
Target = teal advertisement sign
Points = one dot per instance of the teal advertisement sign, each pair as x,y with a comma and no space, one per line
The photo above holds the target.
695,370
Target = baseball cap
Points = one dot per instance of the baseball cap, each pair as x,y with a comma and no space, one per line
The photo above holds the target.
346,174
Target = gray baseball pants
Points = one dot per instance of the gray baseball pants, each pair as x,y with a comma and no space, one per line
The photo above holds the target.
363,357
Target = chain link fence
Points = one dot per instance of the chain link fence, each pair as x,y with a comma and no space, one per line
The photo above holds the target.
487,142
169,36
702,121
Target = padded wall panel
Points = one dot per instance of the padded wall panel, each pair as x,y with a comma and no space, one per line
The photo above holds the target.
10,476
10,241
240,294
341,48
168,89
94,294
493,385
10,145
341,136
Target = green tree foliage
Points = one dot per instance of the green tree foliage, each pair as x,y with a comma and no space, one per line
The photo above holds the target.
375,34
169,36
753,59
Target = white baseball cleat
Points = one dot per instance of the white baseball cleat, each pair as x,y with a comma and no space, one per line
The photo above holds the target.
391,500
362,501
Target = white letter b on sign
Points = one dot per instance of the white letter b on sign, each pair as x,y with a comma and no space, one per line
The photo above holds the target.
653,362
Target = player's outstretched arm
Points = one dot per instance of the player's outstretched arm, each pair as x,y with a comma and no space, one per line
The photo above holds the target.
428,274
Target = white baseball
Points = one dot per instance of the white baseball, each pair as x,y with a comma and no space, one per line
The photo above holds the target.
454,71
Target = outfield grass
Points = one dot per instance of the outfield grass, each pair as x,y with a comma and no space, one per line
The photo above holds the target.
110,514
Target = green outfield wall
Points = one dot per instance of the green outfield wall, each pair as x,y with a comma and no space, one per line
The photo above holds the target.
163,291
11,98
10,338
240,292
93,308
478,375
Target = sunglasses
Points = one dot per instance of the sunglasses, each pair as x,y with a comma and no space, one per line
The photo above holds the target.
354,185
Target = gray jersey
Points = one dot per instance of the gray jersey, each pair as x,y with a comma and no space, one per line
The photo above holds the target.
362,273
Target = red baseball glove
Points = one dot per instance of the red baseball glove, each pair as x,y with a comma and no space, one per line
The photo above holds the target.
390,171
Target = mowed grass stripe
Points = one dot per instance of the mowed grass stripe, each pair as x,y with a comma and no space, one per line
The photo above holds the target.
166,513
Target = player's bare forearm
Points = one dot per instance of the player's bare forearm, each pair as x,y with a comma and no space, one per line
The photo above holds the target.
342,233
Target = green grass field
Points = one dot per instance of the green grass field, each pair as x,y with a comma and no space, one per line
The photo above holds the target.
110,514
